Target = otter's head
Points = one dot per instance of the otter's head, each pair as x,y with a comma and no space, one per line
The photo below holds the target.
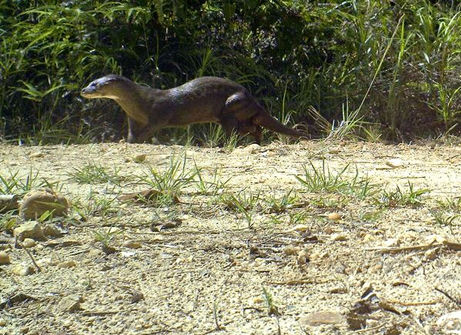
111,86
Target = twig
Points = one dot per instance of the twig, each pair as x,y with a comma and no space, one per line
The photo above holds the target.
368,329
456,301
297,282
97,313
416,303
451,245
31,257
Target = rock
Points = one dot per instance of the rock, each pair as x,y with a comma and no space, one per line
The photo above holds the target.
290,250
136,296
303,257
132,244
339,237
251,149
70,304
31,229
36,203
334,216
28,243
8,202
322,318
36,154
394,163
23,270
300,228
4,258
256,301
139,158
449,323
67,264
2,322
52,230
431,254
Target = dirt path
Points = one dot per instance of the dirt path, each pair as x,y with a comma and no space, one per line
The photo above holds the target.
250,249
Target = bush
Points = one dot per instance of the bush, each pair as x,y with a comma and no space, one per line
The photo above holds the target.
403,58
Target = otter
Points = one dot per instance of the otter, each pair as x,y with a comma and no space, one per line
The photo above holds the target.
201,100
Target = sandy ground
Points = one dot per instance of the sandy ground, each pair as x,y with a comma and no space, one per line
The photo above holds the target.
281,259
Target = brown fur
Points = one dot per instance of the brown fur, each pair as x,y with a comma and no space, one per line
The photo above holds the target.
202,100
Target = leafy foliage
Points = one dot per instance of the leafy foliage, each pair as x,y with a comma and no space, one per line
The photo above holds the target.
292,54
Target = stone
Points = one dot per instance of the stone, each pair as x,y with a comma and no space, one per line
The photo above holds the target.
70,304
334,216
339,237
36,154
23,270
449,323
4,258
67,264
132,244
52,230
303,257
36,203
31,229
290,250
322,318
8,202
139,158
394,163
28,243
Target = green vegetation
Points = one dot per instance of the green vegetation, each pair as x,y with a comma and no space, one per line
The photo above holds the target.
15,184
322,179
101,206
412,198
379,69
169,182
95,174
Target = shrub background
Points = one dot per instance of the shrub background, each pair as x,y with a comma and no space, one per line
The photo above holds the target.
290,54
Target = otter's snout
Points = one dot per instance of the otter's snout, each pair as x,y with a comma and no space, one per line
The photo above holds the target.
88,92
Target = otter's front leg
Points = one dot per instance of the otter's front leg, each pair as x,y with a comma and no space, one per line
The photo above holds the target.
138,133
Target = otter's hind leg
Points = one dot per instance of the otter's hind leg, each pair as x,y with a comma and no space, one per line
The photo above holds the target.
229,124
240,105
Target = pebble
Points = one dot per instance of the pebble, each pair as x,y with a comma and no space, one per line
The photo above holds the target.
300,228
2,322
334,216
252,148
450,323
70,303
322,318
67,264
28,243
256,301
23,270
392,242
139,158
36,154
4,258
132,244
339,237
290,250
52,230
394,163
431,254
303,257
